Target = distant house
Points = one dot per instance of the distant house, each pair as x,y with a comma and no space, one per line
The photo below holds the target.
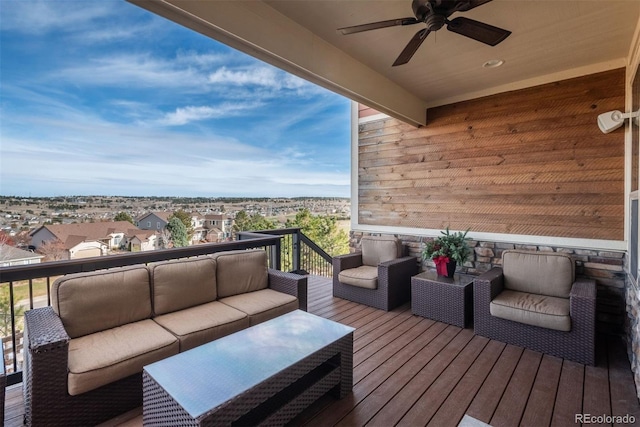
142,240
10,255
88,239
153,221
199,232
218,227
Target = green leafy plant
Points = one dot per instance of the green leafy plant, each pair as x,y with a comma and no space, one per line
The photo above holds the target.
449,245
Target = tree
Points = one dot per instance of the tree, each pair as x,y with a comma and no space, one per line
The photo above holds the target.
185,219
178,231
245,222
53,250
123,216
323,230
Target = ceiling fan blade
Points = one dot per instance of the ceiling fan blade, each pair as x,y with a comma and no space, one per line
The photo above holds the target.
377,25
411,47
479,31
468,5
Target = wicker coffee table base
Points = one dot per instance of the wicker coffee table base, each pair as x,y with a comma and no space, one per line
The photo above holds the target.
273,402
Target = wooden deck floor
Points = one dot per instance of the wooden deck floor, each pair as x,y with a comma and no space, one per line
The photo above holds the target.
411,371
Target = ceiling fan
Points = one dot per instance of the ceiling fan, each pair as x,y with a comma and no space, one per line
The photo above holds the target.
435,14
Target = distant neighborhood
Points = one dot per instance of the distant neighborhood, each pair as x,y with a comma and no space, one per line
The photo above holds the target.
89,227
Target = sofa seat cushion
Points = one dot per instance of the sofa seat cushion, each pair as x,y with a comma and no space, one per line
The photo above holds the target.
532,309
363,277
262,305
203,323
107,356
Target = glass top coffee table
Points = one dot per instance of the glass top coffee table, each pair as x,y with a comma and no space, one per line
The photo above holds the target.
265,374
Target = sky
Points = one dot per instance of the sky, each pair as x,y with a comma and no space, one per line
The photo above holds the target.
105,98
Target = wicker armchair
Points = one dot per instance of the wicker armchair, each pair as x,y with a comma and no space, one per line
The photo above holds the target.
379,276
534,301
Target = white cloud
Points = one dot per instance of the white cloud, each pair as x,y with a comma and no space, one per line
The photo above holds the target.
184,115
125,70
38,17
264,76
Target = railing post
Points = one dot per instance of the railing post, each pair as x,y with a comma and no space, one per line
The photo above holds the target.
276,255
295,241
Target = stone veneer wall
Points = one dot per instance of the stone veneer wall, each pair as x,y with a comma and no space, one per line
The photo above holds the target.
606,267
632,327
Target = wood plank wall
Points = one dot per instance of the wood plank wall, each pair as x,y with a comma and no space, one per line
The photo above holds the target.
530,162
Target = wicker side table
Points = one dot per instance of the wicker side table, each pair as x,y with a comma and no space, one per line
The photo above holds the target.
448,300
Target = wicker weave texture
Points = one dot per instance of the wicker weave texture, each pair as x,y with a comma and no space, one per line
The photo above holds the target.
47,401
160,409
290,283
448,300
577,345
394,282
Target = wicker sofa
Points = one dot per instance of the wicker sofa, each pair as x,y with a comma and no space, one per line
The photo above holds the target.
84,354
378,276
534,301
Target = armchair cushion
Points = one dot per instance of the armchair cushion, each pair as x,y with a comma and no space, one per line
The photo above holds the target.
532,309
104,357
364,277
378,249
100,300
542,273
238,272
180,284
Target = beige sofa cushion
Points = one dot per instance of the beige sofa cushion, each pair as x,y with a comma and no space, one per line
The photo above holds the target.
377,249
198,325
104,357
537,310
181,284
238,272
103,299
262,305
544,273
363,277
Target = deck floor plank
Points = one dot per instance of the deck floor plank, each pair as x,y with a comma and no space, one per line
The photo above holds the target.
431,400
454,408
539,408
399,404
569,397
413,371
380,382
597,398
486,401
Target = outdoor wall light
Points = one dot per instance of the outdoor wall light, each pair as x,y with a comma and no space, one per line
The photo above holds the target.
612,120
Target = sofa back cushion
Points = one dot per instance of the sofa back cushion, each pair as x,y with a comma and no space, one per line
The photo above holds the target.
543,273
238,272
103,299
180,284
377,249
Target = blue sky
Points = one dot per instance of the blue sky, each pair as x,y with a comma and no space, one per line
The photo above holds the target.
105,98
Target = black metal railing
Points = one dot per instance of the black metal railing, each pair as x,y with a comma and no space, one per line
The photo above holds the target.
297,252
17,285
26,287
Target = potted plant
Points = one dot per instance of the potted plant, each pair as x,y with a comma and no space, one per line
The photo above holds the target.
447,251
